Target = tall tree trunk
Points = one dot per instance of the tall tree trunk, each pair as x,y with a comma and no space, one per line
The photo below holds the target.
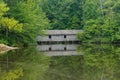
101,7
6,33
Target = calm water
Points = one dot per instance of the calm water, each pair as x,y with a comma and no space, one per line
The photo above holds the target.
62,62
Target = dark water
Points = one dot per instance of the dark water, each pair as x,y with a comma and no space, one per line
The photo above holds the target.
62,62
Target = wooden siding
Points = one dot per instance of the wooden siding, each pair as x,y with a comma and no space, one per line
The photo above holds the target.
59,35
56,47
57,38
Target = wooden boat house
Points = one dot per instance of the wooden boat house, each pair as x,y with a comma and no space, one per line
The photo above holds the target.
56,36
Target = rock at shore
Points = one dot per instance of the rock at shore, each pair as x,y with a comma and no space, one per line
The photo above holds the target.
4,48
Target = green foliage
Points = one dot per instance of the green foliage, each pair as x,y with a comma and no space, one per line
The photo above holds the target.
64,14
33,18
101,23
24,64
22,20
8,25
100,61
96,62
3,9
12,75
3,41
21,24
11,24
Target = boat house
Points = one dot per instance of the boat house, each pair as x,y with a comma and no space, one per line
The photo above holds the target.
56,36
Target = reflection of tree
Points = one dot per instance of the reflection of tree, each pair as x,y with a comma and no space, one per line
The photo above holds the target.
65,68
27,62
12,74
101,62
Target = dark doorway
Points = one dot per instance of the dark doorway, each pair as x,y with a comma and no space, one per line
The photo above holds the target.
65,48
50,36
65,36
50,49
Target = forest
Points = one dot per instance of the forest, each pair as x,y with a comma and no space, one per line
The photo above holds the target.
22,20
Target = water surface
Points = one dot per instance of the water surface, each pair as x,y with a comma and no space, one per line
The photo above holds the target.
62,62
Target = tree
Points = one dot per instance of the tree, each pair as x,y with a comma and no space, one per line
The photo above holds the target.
100,21
8,24
64,14
33,20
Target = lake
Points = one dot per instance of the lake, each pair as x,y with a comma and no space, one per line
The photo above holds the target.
62,62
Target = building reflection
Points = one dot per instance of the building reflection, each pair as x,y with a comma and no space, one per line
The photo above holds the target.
59,49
